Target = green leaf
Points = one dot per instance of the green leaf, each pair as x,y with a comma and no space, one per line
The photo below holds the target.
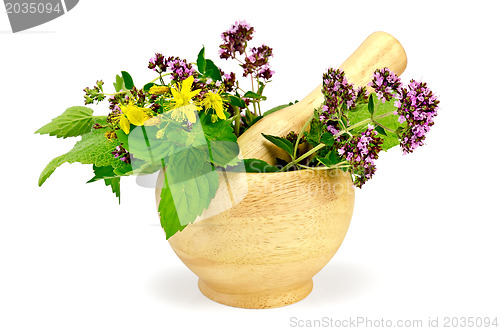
119,83
328,139
148,86
272,110
259,166
201,62
371,105
390,121
214,70
93,148
189,187
331,159
282,143
253,95
315,131
75,121
380,130
236,101
127,80
115,186
102,173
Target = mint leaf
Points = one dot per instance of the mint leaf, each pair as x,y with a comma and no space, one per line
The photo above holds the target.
201,63
75,121
94,148
281,143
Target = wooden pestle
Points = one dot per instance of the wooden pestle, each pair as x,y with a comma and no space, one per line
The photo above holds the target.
379,50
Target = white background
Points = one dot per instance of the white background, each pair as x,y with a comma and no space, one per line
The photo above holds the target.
424,240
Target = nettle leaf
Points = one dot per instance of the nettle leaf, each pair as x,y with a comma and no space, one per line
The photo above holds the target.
201,63
75,121
259,166
282,143
93,148
127,80
102,173
189,187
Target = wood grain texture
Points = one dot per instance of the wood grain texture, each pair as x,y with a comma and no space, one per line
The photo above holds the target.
379,50
263,250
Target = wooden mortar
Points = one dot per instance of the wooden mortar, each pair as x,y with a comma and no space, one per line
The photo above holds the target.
263,251
379,50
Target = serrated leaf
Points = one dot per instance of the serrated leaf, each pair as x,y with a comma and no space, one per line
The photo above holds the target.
93,148
127,80
115,185
75,121
282,143
102,173
189,187
201,62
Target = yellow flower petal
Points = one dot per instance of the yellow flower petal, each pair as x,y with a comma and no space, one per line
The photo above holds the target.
124,124
136,115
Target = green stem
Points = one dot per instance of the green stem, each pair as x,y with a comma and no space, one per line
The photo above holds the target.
303,156
154,80
237,117
301,133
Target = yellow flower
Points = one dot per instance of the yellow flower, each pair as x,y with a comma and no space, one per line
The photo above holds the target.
214,101
158,90
132,114
184,108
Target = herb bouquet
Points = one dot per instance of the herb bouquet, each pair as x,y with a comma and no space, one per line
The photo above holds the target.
265,225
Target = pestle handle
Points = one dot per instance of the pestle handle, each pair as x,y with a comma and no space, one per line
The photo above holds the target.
379,50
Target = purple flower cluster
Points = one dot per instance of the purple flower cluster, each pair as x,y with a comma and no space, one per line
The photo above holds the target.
385,83
257,63
179,68
361,152
338,93
229,81
418,106
121,153
235,39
